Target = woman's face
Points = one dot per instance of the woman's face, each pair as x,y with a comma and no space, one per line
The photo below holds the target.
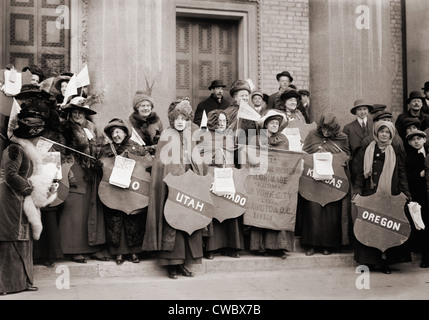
78,116
180,122
384,135
242,95
144,108
327,132
257,101
222,122
291,103
118,135
273,126
64,87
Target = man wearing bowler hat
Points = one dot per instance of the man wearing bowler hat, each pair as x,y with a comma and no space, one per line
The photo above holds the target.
358,129
415,105
215,101
284,79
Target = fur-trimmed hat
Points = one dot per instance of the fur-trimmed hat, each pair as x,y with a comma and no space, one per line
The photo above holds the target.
141,96
239,85
183,107
288,94
30,90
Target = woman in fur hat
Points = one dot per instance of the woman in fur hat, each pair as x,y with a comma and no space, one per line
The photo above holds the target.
81,220
124,232
321,227
176,247
289,101
25,186
145,121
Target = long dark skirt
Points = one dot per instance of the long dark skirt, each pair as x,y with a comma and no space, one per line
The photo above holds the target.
123,247
373,256
49,244
228,235
265,239
16,266
182,253
321,226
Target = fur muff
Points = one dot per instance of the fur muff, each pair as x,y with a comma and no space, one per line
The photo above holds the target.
44,190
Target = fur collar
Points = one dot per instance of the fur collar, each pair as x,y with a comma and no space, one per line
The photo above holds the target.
137,120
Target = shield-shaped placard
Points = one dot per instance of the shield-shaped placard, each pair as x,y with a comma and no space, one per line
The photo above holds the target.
189,206
131,199
381,222
324,191
228,207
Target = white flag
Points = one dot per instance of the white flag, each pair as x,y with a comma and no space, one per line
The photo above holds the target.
82,79
247,112
13,120
136,138
71,89
204,121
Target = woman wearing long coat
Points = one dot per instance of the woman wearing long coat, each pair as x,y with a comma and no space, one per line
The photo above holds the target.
81,220
323,226
226,237
380,155
124,232
19,162
175,247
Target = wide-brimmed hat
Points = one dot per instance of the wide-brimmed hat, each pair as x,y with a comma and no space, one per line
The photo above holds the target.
288,94
416,133
380,115
80,104
272,113
284,74
239,85
361,103
426,86
58,80
217,84
415,95
30,90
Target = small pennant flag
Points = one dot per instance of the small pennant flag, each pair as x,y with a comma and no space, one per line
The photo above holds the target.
136,138
13,120
82,79
204,121
71,89
247,112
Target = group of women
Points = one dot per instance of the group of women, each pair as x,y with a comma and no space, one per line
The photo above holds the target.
82,227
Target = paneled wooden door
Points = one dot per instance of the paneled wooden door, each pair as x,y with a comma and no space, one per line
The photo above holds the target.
32,36
206,50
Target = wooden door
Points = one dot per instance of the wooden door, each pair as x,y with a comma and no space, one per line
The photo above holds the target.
32,36
206,50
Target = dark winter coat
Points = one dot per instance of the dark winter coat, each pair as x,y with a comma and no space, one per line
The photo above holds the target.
148,129
208,105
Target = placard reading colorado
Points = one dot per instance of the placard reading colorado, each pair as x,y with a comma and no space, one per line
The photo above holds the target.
273,196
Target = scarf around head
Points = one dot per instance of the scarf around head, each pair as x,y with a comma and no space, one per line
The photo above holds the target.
385,182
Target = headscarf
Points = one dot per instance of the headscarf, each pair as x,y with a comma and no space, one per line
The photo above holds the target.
385,182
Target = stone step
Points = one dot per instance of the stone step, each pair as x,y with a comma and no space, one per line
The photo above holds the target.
220,264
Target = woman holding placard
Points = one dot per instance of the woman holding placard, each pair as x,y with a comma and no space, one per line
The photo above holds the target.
321,226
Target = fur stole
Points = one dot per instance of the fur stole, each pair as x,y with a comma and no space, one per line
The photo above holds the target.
149,129
44,191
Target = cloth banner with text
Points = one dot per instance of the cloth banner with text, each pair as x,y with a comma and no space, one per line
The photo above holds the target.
381,221
324,191
132,199
273,196
189,206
